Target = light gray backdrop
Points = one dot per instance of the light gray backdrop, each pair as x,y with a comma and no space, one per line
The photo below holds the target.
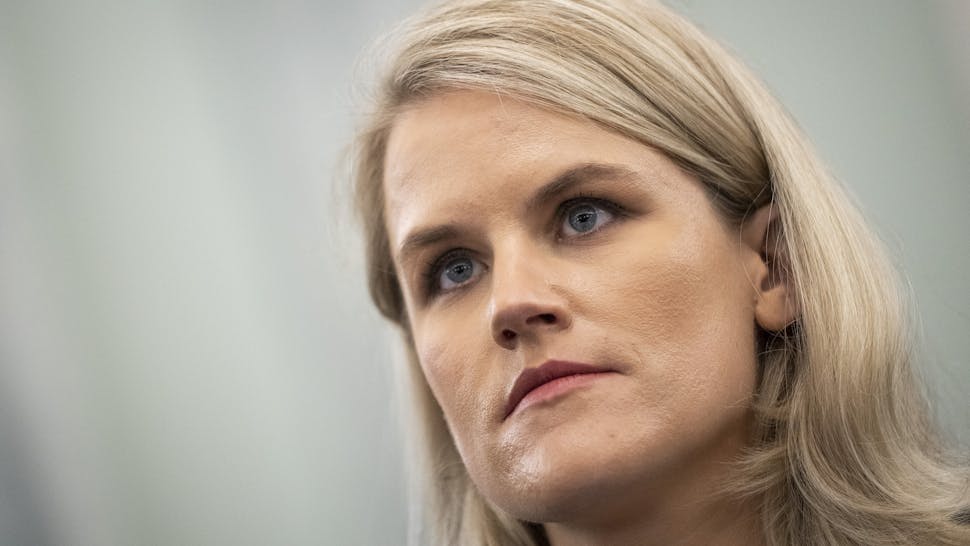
187,355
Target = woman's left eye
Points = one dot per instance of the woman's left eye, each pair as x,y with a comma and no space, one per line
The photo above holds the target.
581,217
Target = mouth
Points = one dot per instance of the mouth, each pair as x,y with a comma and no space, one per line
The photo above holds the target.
552,378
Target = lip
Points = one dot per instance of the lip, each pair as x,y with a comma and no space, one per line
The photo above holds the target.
532,378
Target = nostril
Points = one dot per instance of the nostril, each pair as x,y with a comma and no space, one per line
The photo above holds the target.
526,323
547,318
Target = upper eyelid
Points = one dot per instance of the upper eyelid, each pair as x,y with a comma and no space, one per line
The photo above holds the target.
436,264
608,204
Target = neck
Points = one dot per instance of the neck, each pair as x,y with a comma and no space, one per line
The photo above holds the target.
714,524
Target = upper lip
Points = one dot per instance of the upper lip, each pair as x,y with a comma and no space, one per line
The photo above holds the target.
531,378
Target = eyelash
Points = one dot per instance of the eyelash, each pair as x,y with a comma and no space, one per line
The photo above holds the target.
433,269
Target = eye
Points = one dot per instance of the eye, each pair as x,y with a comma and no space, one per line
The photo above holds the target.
451,271
583,216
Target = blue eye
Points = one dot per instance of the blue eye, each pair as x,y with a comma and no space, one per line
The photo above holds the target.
451,272
584,217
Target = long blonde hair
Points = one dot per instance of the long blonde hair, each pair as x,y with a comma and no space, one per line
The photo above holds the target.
845,451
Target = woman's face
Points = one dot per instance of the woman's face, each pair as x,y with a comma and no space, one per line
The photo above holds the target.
528,240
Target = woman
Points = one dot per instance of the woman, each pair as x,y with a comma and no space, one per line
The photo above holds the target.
637,309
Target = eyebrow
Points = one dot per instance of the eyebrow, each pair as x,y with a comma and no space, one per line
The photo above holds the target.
562,183
576,176
426,237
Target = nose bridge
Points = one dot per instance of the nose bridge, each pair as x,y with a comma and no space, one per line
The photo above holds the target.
517,272
524,299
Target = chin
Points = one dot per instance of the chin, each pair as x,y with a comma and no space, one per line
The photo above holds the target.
562,500
559,484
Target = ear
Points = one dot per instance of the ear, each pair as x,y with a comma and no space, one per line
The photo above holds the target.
767,264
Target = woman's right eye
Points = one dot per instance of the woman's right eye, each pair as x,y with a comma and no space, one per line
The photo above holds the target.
453,271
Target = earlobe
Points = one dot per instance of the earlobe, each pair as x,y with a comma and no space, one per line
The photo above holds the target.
775,305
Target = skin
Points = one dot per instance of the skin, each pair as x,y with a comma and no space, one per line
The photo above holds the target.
661,291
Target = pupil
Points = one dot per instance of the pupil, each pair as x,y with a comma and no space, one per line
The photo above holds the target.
583,218
459,271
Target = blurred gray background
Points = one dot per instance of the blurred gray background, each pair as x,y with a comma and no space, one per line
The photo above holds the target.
187,354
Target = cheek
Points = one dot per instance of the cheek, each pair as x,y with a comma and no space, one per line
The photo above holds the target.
687,308
455,371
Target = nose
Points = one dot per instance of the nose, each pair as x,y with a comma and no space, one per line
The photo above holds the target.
525,304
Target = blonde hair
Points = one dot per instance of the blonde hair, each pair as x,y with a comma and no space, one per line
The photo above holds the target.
845,450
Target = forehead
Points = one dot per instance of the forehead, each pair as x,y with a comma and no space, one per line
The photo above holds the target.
469,154
464,135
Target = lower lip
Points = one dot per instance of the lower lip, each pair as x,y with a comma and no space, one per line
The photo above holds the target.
556,388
